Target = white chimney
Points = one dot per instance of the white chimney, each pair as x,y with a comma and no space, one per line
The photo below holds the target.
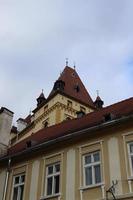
21,124
6,117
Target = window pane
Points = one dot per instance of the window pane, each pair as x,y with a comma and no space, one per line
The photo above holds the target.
88,159
57,168
132,162
50,170
49,186
88,175
97,174
15,193
96,157
57,183
17,180
21,192
131,148
22,179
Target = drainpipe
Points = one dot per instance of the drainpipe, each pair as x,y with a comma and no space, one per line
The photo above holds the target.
6,179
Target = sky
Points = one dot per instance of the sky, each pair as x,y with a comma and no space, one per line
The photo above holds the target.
36,36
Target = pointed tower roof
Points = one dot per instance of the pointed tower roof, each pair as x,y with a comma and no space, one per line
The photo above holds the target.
70,84
98,102
41,98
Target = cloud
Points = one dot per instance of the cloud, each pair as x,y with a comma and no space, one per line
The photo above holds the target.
37,36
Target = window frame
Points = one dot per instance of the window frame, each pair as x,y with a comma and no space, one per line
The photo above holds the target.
53,175
92,165
129,158
18,185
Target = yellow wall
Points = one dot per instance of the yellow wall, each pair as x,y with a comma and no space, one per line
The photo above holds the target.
71,155
56,112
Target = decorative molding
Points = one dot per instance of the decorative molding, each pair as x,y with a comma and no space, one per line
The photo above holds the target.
57,105
90,144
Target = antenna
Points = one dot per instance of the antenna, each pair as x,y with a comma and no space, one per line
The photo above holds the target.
67,62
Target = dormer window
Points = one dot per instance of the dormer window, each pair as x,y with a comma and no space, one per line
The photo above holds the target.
73,74
77,88
59,85
108,117
29,144
80,114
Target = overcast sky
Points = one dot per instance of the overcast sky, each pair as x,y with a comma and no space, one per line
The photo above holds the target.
37,35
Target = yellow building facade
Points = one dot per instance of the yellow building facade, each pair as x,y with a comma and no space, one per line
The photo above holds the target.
70,148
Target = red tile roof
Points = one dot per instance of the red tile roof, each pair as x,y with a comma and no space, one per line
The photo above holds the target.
118,110
72,80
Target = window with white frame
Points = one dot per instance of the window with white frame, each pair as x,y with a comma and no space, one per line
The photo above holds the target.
131,156
18,187
92,169
53,179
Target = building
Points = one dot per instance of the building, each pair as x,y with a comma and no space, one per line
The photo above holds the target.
70,148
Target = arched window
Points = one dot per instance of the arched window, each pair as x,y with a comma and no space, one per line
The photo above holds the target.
45,124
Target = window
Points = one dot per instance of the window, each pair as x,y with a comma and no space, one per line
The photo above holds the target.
69,104
92,169
52,179
18,187
82,109
67,117
131,157
45,123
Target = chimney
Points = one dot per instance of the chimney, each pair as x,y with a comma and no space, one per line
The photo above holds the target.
6,117
21,124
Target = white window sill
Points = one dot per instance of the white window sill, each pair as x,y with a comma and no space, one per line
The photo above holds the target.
91,186
50,196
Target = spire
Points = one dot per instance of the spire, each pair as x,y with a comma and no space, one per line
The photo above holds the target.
41,98
70,84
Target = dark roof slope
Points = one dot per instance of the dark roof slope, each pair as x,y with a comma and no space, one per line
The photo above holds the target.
72,80
118,110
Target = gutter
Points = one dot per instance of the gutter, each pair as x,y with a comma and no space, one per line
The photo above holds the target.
6,180
69,136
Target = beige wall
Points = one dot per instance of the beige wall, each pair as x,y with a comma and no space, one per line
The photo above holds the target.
114,166
2,182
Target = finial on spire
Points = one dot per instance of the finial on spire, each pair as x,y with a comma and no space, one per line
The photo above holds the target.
74,66
97,92
42,90
66,61
30,111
